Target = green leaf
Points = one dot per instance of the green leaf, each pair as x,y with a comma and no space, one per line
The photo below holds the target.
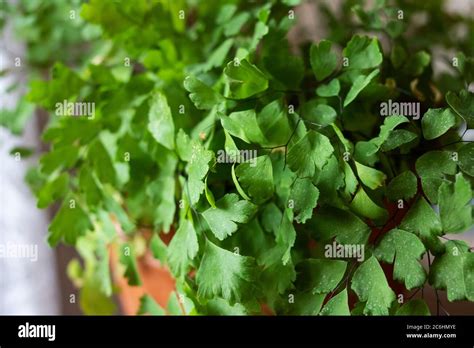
307,303
455,205
286,236
403,186
337,305
311,151
256,177
15,120
225,274
304,196
404,249
218,56
199,163
234,25
397,138
323,61
182,249
330,90
276,278
389,124
162,192
350,180
149,306
422,221
203,96
363,205
320,114
398,55
320,276
363,52
416,307
359,84
370,177
417,63
113,206
466,159
365,151
432,167
454,271
160,121
463,104
329,222
95,302
244,125
158,248
219,306
239,188
259,32
435,163
69,223
209,195
173,306
128,259
285,68
103,155
229,146
183,146
21,152
230,211
63,157
53,190
370,285
273,120
329,181
436,122
245,79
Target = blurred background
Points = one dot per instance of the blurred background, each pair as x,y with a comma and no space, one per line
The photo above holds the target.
35,34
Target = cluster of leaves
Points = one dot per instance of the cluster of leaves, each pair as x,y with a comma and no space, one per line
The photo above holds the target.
50,31
251,237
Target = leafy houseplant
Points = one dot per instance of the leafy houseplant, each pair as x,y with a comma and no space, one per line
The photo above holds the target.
317,191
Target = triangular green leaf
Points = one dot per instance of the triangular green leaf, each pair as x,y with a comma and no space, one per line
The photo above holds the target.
337,305
304,197
182,249
323,61
359,84
245,79
404,249
225,274
256,177
230,211
403,186
363,52
455,205
160,121
454,271
311,151
203,96
370,285
436,122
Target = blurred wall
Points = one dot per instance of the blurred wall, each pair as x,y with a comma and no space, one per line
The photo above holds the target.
28,283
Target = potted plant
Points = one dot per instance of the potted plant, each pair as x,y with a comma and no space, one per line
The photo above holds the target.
269,176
